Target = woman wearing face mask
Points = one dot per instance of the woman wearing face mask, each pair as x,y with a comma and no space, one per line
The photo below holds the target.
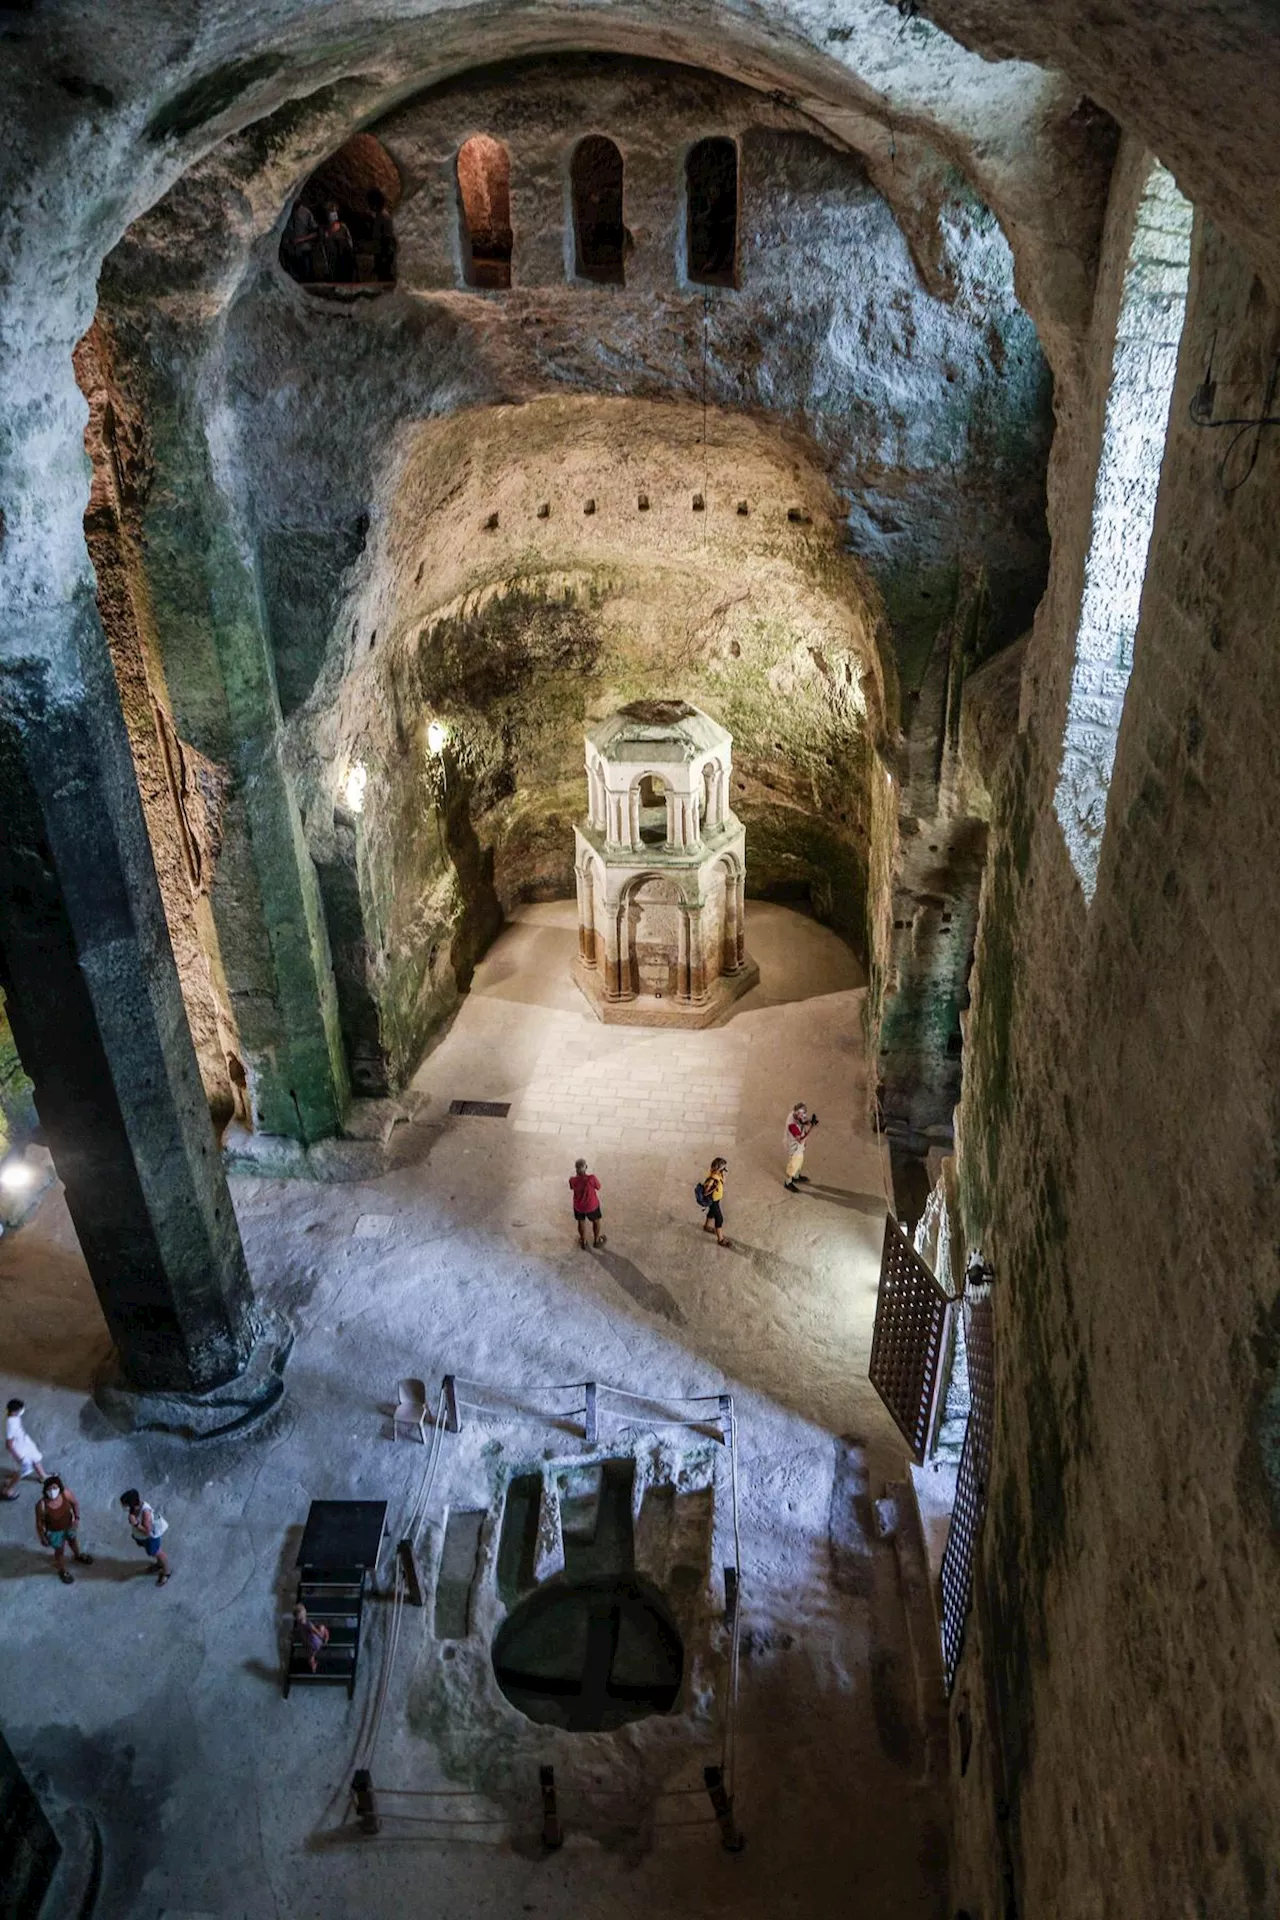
57,1524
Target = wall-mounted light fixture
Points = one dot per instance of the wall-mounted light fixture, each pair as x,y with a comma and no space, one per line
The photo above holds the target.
437,736
1201,411
17,1174
354,785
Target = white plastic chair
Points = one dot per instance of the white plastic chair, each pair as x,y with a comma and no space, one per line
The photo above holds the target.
410,1409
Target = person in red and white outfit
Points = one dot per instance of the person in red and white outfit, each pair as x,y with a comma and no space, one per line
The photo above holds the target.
799,1127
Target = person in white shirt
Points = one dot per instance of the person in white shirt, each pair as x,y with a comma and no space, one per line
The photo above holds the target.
21,1448
148,1529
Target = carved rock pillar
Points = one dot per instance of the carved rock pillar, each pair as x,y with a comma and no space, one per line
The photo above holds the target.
617,959
586,918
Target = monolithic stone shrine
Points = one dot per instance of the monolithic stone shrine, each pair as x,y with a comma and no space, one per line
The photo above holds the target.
661,868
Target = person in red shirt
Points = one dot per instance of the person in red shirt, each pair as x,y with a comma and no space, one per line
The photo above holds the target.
586,1203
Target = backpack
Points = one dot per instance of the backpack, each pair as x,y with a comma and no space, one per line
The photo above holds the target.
700,1195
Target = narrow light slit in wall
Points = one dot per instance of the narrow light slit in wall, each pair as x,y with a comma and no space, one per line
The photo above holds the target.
1153,305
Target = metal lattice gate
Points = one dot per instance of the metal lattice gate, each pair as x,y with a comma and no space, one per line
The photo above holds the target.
910,1338
971,1480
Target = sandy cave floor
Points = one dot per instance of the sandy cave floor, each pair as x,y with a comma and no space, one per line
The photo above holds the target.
162,1710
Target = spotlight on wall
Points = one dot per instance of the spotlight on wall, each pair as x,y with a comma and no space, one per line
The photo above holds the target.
16,1175
437,736
354,785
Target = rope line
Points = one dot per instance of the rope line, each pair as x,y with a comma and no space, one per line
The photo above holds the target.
601,1386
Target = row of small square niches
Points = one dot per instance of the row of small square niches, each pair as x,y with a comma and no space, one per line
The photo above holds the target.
796,515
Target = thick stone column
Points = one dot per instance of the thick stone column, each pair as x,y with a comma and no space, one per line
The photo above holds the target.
97,1013
264,893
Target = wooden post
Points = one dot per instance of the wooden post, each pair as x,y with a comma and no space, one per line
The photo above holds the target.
552,1831
590,1423
730,1834
366,1805
452,1424
412,1575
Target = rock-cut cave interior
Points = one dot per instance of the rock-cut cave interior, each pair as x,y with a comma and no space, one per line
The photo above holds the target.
639,1008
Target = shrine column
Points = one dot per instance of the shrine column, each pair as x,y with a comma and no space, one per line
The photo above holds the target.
729,960
617,962
682,952
586,917
740,918
697,959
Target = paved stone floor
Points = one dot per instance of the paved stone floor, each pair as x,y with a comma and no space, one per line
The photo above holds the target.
162,1710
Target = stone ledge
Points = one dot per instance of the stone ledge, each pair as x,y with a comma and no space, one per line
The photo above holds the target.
235,1407
646,1011
363,1151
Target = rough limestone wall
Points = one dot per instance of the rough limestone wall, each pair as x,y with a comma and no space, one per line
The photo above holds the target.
1118,1165
181,790
904,355
761,619
901,355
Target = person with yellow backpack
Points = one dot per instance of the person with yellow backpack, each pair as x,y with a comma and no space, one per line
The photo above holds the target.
709,1194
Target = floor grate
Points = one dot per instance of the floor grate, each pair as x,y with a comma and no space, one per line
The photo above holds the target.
482,1109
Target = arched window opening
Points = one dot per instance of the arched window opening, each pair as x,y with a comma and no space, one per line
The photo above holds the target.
341,230
653,810
484,192
711,795
711,212
599,237
1153,304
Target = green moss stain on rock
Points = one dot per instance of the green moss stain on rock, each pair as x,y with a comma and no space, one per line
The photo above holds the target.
215,93
18,1118
264,891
